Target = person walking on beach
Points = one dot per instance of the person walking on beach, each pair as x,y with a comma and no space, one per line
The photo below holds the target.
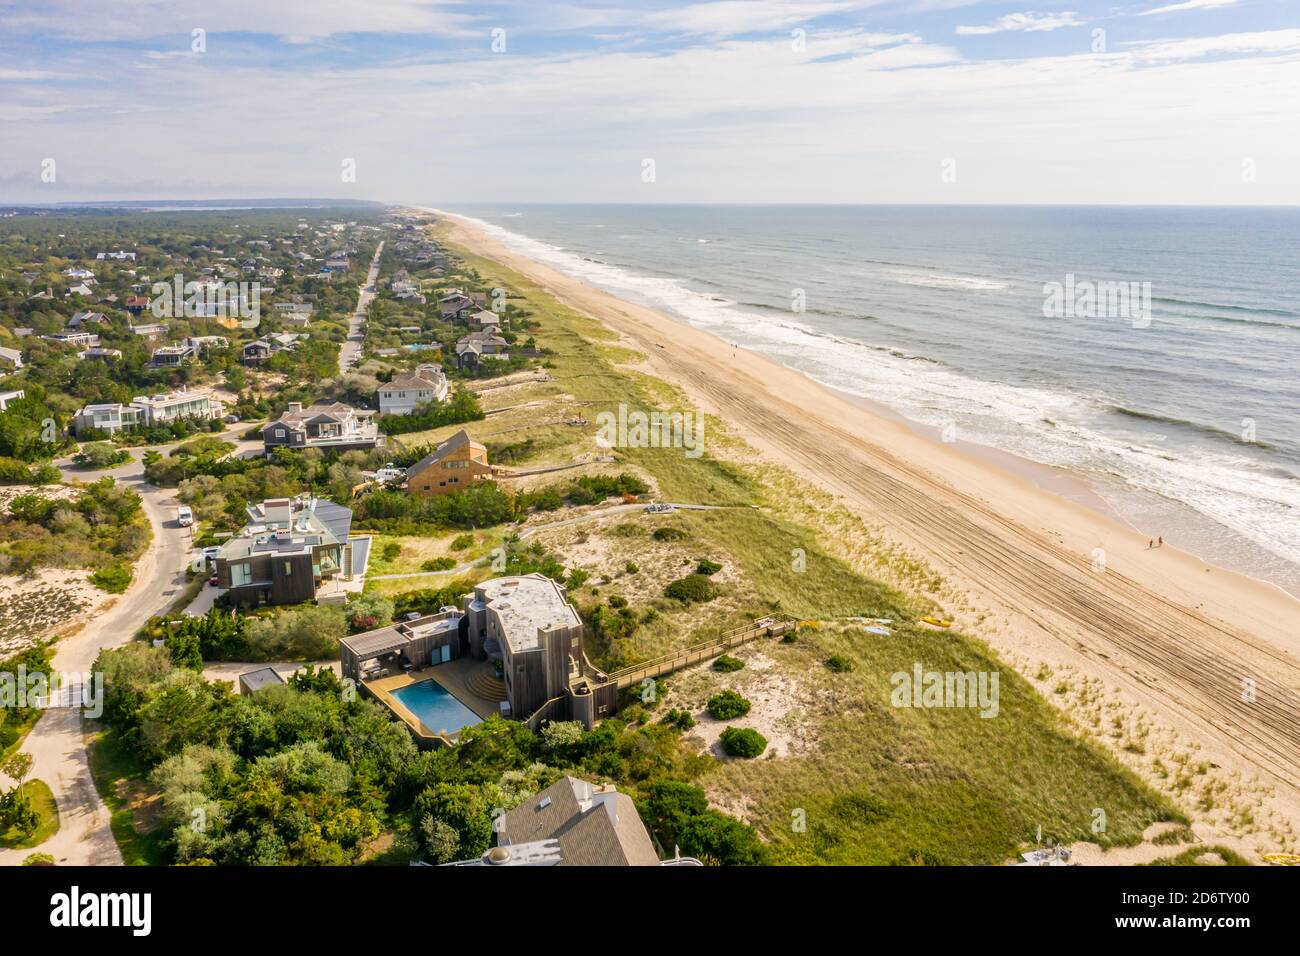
1160,542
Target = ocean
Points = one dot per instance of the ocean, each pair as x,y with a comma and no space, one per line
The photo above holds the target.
1173,391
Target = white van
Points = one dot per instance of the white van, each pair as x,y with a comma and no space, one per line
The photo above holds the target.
184,516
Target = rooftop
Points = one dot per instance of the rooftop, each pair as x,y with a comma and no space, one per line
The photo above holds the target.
526,606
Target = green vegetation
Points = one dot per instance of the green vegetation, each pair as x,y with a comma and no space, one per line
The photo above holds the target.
113,578
727,705
16,721
742,742
839,664
102,529
98,454
462,406
726,664
1192,857
692,589
28,813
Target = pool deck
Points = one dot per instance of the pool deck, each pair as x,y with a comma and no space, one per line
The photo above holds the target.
452,676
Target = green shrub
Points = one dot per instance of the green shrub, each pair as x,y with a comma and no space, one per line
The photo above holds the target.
692,589
438,564
839,664
462,541
668,533
681,719
631,567
743,742
392,551
726,664
115,578
707,567
727,705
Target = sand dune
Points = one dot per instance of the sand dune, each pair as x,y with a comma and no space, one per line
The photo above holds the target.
1186,639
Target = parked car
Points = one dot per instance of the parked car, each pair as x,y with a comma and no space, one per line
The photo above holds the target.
184,516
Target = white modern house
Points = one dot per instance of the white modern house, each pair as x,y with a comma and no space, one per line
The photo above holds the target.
7,397
148,411
401,396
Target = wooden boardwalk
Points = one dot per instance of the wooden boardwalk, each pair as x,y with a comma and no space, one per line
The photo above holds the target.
667,663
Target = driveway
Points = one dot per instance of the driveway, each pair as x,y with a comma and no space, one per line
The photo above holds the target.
55,743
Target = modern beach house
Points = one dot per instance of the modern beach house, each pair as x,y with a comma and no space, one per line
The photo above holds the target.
329,426
293,550
524,625
406,392
148,411
453,466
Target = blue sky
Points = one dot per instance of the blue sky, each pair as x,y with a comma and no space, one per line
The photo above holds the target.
1193,101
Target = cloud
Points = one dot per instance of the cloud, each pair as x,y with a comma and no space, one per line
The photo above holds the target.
293,22
1238,44
1189,5
1028,22
856,116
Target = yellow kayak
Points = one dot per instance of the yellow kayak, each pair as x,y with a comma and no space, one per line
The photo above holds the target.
937,621
1282,859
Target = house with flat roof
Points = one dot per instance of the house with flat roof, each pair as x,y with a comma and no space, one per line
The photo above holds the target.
147,411
453,466
170,356
421,642
409,390
332,425
293,550
527,624
10,359
99,354
574,823
13,396
251,682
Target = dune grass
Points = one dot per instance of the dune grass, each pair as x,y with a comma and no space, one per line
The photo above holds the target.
879,784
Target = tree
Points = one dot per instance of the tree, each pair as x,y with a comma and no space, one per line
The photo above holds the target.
18,766
465,809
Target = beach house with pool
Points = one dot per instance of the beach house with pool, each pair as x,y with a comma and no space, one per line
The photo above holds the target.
514,649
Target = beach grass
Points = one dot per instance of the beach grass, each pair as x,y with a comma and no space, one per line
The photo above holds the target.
866,782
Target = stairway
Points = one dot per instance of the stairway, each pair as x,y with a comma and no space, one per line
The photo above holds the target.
483,682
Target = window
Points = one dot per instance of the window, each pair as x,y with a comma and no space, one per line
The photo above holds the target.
288,568
279,433
240,575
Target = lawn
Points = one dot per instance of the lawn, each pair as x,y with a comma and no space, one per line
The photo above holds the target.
42,798
118,774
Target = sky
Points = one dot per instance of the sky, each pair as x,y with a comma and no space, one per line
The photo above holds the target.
729,101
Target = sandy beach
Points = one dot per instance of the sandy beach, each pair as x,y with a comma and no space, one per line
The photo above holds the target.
1211,654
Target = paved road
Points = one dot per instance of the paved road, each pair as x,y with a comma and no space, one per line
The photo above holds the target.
55,743
350,351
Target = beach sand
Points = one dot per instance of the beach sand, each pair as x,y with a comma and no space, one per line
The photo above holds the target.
1181,640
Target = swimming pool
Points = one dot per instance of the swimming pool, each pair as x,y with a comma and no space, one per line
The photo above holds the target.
435,707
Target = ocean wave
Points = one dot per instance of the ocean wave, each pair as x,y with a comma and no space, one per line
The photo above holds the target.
1059,428
1200,427
943,281
1196,304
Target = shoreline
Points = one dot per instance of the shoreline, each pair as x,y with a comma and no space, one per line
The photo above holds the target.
1146,510
1167,630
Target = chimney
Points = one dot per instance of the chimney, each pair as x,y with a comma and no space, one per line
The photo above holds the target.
295,407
